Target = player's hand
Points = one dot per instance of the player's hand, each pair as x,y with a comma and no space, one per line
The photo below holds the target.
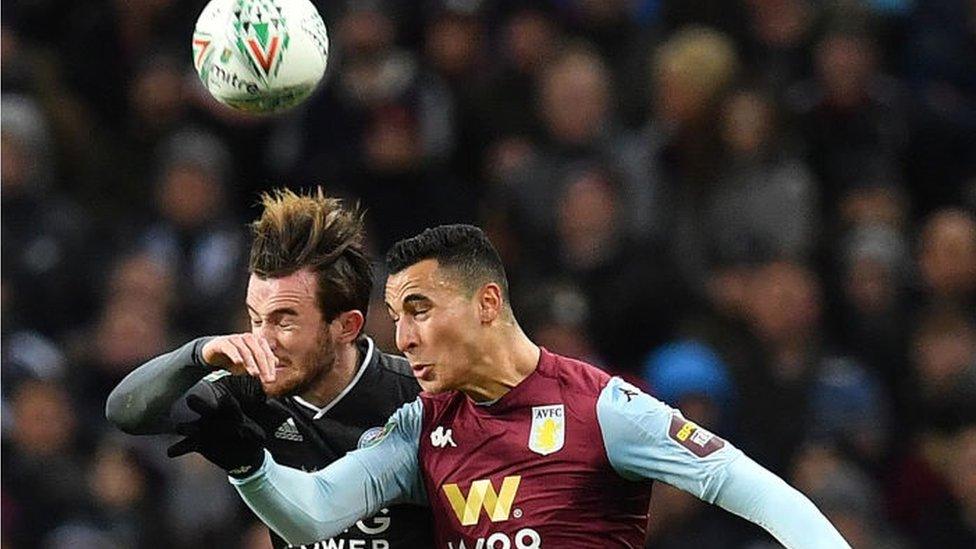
240,353
221,433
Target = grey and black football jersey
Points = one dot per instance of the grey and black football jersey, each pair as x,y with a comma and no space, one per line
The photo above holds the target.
303,436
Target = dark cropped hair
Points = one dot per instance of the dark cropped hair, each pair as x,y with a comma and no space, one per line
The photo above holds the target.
312,231
462,248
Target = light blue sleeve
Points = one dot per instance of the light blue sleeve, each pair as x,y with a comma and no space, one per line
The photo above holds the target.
306,507
647,439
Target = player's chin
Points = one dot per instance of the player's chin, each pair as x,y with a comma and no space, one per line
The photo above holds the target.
282,386
432,386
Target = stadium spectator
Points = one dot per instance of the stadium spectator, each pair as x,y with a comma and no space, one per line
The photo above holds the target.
42,462
953,523
778,45
558,314
764,198
45,233
670,162
852,116
874,266
847,495
802,385
947,258
192,233
574,103
529,40
595,252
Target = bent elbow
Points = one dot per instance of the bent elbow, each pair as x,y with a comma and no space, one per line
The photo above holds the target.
120,411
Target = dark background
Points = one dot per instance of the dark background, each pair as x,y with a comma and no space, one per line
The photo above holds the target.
760,210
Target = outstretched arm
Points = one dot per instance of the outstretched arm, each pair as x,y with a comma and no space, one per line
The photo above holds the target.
141,402
645,438
306,507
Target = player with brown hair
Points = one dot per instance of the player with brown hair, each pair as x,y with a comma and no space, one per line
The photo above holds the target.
317,383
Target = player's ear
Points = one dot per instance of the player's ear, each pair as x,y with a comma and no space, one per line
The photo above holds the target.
348,325
490,302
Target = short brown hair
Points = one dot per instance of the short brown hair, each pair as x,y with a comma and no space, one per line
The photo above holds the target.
309,230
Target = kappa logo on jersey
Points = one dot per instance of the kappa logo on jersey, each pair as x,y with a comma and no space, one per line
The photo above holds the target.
693,438
442,438
548,431
481,494
289,431
630,394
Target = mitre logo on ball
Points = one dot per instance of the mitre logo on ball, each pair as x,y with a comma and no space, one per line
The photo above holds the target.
260,56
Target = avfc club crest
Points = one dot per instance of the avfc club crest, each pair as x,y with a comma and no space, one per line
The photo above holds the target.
548,431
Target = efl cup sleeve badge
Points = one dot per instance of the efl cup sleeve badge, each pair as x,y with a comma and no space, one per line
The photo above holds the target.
693,438
548,431
372,437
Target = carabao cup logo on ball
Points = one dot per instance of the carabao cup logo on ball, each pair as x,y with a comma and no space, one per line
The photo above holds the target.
260,55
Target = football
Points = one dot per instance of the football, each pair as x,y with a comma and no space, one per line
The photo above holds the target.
260,56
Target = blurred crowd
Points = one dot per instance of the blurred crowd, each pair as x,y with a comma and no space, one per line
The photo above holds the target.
762,211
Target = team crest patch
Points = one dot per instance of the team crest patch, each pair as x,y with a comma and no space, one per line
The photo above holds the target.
548,431
693,438
375,435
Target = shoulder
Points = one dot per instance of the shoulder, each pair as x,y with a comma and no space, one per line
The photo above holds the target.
384,364
406,422
573,375
625,402
394,365
437,406
394,373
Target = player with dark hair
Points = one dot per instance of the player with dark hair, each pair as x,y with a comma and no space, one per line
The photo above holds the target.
317,384
509,444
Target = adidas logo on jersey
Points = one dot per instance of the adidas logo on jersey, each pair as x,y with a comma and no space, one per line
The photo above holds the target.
288,431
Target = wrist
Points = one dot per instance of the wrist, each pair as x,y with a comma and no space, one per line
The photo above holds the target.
198,345
252,466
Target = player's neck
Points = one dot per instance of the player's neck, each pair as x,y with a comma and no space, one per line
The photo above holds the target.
511,357
338,377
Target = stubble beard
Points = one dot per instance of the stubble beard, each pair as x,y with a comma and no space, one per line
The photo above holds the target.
302,377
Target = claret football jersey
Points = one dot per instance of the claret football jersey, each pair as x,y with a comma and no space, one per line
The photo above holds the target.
529,468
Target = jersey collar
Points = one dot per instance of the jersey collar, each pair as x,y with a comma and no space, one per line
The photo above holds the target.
319,412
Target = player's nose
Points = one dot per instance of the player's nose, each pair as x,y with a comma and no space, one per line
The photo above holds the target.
267,332
406,337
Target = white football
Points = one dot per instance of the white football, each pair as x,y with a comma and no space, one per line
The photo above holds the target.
260,56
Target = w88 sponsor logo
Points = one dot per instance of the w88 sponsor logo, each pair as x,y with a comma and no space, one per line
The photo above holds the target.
526,538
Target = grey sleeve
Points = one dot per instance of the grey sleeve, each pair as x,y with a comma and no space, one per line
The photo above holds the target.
141,402
304,507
